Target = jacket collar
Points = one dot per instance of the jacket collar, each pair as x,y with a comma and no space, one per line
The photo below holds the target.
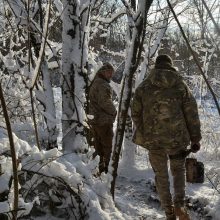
165,65
102,77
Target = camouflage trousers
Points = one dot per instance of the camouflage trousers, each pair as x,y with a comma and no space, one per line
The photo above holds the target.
159,162
103,144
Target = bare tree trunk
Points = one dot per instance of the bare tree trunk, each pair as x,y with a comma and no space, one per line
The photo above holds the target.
46,98
129,147
68,83
45,95
128,153
29,69
34,119
151,50
134,53
74,62
41,67
13,154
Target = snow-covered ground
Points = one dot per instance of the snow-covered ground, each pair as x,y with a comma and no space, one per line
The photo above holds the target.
137,199
135,195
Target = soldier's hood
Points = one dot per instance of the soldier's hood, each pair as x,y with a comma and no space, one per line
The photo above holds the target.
102,78
164,78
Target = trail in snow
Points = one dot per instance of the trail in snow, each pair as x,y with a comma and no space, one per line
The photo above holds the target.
137,198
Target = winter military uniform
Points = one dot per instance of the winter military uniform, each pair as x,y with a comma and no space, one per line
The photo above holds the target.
166,118
104,112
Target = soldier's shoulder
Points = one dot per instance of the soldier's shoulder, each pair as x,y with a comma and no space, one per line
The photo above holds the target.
104,87
181,83
143,85
100,82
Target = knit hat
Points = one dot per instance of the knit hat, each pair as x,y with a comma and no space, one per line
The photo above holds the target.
163,59
105,66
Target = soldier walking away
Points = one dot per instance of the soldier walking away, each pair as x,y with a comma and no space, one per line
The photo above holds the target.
102,108
166,120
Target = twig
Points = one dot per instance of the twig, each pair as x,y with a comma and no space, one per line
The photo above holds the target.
212,183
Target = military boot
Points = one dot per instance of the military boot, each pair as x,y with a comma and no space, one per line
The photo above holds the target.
170,214
182,213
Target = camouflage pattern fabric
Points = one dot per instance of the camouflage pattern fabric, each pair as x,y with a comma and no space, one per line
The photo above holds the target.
101,105
104,112
159,160
103,145
165,112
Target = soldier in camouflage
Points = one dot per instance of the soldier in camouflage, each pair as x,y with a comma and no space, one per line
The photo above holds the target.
166,120
103,110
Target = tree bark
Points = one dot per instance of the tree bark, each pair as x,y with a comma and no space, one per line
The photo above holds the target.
13,154
134,53
75,80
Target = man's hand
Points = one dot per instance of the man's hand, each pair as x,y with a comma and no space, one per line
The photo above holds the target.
195,147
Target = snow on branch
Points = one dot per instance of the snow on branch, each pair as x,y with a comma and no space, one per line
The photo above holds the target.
85,5
128,8
17,7
211,16
42,49
59,5
113,17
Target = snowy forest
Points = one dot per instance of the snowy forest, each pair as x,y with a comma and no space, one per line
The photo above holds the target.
50,51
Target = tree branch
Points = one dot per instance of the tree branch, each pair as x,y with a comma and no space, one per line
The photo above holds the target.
212,18
194,57
43,45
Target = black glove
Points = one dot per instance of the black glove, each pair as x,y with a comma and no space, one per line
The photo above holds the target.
195,147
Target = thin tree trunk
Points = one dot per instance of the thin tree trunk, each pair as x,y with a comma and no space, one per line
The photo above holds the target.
129,147
131,64
48,101
34,119
49,112
151,51
128,153
43,45
29,69
13,154
74,63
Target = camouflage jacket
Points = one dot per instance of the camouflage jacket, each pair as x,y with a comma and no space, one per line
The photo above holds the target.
100,104
165,112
